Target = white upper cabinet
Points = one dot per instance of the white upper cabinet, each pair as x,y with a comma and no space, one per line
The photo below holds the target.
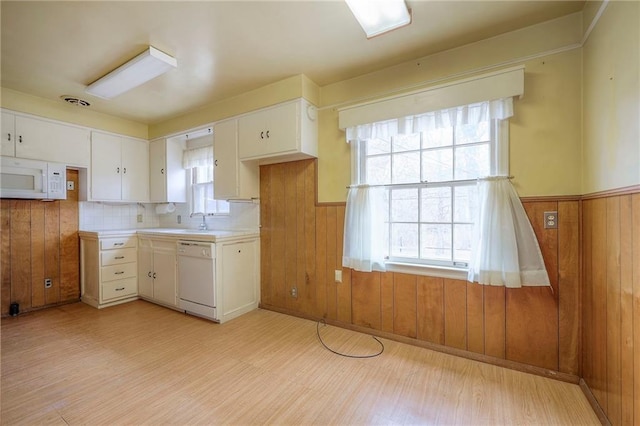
284,132
233,179
32,138
119,168
167,178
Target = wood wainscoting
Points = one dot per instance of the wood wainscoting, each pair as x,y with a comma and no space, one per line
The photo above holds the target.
40,240
611,304
301,247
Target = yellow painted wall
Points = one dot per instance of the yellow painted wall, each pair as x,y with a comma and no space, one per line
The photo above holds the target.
17,101
545,133
612,100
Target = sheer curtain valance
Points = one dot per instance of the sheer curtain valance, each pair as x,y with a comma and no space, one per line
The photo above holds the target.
466,114
197,157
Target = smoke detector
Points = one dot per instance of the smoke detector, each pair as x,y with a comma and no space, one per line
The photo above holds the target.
75,101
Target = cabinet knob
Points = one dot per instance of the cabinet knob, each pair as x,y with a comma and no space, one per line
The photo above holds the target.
261,135
20,138
149,274
215,163
9,136
154,275
124,170
161,171
117,169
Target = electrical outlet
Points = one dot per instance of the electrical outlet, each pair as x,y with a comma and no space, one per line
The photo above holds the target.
48,283
294,292
338,276
71,185
550,220
179,219
139,218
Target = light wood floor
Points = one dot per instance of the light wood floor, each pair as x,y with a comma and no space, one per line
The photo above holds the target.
139,363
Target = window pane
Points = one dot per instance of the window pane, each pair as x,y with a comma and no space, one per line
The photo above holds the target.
406,142
472,162
436,205
404,207
462,242
378,170
210,203
437,165
377,146
466,203
438,137
406,167
404,240
202,174
435,242
471,133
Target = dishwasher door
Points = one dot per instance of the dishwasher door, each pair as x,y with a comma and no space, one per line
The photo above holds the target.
196,278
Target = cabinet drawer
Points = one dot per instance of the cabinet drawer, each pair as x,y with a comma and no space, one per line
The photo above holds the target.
117,243
116,257
118,289
118,272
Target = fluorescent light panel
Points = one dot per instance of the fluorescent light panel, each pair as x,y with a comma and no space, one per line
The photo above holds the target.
146,66
379,16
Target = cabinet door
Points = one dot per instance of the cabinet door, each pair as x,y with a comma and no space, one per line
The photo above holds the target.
135,170
238,276
145,272
225,151
252,135
164,284
44,140
7,145
175,174
283,125
106,181
157,172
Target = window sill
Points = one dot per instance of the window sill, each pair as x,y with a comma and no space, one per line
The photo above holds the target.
427,270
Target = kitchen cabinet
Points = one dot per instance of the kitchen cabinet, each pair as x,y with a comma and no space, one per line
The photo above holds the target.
284,132
119,168
167,177
157,269
37,139
108,269
233,179
237,275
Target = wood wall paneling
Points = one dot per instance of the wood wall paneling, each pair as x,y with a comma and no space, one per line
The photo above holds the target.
40,240
635,255
266,230
430,309
332,241
366,296
404,305
495,321
310,237
475,318
587,294
290,238
626,311
455,313
344,288
569,287
386,302
321,262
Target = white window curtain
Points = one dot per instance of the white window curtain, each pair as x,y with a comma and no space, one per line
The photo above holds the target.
467,114
505,251
363,248
198,157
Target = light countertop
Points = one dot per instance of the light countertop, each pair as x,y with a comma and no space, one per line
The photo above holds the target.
210,235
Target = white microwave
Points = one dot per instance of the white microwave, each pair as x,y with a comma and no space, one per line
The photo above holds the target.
32,179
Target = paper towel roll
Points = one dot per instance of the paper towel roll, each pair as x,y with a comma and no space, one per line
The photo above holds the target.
165,208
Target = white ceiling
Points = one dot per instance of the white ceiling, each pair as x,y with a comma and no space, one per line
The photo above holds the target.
224,48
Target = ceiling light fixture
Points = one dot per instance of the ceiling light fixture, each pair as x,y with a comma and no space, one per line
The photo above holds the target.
146,66
379,16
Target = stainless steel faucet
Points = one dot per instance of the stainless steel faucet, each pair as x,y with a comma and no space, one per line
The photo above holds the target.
203,225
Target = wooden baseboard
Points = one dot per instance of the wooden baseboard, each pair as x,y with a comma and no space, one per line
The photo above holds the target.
594,403
512,365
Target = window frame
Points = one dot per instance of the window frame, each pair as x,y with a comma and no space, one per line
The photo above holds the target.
192,190
499,165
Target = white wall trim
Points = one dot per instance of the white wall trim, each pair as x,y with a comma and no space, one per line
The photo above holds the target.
593,23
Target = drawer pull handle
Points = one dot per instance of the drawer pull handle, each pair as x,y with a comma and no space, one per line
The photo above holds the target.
118,244
120,289
119,257
154,275
119,272
149,274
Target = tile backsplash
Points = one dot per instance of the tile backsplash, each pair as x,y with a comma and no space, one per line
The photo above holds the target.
106,216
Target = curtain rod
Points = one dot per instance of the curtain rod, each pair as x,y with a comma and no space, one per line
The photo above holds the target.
426,183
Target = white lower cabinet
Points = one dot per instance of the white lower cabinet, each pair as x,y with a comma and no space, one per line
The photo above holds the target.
108,269
237,277
157,270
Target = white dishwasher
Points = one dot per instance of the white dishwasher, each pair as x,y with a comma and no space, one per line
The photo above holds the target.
197,278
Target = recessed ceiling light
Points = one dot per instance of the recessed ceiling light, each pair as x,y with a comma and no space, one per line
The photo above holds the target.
75,101
379,16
